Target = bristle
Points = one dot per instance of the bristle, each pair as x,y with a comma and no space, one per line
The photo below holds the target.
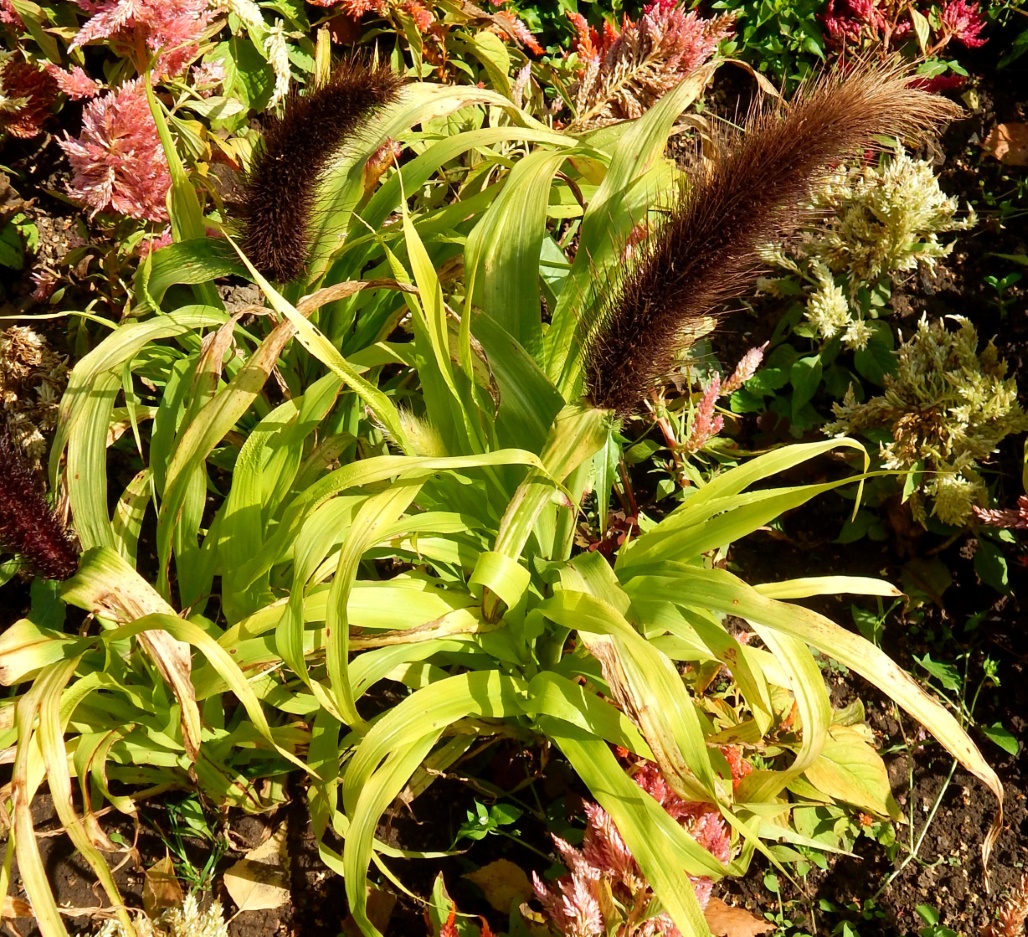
28,526
280,188
706,251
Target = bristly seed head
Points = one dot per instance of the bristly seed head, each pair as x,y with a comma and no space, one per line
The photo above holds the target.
280,188
705,251
28,526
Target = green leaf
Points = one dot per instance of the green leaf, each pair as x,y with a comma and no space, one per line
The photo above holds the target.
991,566
850,770
1004,739
12,249
947,674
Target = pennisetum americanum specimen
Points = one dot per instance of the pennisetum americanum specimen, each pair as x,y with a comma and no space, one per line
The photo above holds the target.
279,192
705,250
28,525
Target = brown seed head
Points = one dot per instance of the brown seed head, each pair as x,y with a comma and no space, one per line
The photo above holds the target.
706,250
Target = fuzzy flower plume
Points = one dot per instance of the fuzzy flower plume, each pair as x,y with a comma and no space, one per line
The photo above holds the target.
604,868
1012,914
947,407
280,190
117,162
707,249
964,22
1013,519
622,72
170,28
26,93
75,83
28,525
185,921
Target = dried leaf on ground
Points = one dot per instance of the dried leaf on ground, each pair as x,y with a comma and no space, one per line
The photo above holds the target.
726,921
260,880
1008,143
161,888
15,907
503,883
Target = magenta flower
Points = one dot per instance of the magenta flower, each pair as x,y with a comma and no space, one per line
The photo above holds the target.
963,21
171,28
28,526
118,163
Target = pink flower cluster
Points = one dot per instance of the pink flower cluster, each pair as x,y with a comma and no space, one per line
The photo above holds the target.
886,23
1013,519
8,14
684,39
605,865
118,163
169,29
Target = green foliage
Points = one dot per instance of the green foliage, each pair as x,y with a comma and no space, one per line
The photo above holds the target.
380,477
780,38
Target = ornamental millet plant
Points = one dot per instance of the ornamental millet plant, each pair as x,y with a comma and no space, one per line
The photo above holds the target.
409,451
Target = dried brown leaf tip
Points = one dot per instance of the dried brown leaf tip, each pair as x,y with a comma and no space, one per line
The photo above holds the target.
28,525
298,145
705,252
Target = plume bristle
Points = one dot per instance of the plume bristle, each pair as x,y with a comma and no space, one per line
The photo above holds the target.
705,252
279,192
28,526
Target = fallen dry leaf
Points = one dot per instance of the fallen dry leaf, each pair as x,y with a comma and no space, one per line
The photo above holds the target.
15,907
726,921
161,888
503,883
1008,143
380,910
260,880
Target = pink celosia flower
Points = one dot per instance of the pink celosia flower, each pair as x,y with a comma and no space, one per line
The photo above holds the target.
118,163
573,906
744,370
27,93
8,14
963,21
171,28
207,76
623,72
706,423
605,865
75,83
1014,519
150,244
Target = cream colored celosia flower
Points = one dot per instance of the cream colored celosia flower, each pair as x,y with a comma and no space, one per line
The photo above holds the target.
873,221
247,10
277,48
947,408
187,921
827,308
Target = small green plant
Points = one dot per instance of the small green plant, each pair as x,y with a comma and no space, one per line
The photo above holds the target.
933,922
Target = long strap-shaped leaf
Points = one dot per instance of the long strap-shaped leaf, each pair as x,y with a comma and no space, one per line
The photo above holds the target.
723,592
